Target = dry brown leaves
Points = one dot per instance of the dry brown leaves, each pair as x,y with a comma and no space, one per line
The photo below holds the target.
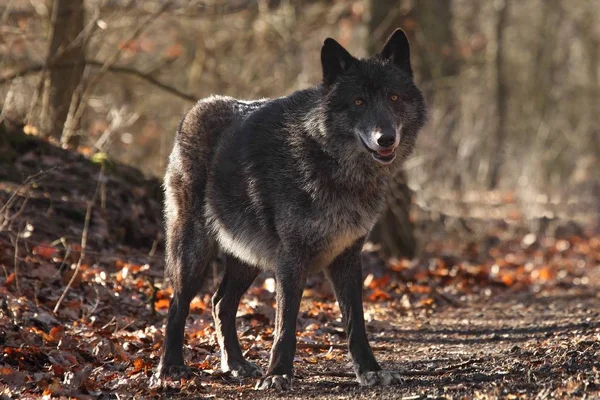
107,335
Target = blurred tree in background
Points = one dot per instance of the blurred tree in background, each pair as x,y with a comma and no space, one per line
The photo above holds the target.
435,59
65,63
513,87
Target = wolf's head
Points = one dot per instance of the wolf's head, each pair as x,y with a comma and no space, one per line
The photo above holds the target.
371,107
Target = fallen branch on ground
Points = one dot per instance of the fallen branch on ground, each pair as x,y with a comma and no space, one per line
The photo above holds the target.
325,346
84,235
428,372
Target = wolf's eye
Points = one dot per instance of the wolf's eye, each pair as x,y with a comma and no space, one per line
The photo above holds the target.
394,97
359,102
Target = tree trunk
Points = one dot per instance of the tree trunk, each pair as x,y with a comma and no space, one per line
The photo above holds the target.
66,46
434,41
428,25
501,97
436,59
394,232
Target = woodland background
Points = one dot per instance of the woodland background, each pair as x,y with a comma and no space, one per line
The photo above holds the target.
513,86
495,220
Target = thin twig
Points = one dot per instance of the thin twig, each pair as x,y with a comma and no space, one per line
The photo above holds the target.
109,323
321,346
5,219
96,303
16,263
64,261
456,366
152,251
84,236
28,180
20,211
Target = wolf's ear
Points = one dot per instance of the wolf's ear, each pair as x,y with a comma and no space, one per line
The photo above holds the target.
397,49
335,60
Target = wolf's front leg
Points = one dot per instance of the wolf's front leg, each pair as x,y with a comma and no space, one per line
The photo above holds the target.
290,277
345,275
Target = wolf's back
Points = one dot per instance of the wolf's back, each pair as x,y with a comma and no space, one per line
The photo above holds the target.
196,142
199,133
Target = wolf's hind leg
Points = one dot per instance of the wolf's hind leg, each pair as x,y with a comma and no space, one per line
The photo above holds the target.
189,250
237,279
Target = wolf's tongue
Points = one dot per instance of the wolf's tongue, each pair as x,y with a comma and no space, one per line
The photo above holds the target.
385,153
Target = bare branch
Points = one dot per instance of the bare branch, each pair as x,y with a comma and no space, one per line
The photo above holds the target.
183,9
33,69
87,92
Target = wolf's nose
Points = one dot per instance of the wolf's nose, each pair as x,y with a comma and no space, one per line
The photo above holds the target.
386,140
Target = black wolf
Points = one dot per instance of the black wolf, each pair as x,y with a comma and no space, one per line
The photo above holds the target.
288,185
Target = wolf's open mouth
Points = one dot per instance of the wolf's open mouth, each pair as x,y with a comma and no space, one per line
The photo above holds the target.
383,156
385,159
386,152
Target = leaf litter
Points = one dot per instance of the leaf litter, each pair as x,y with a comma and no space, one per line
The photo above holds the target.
516,319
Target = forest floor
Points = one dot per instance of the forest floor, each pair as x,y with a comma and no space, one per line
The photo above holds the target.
512,314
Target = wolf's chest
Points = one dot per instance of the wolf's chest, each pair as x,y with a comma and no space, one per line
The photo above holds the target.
339,229
336,244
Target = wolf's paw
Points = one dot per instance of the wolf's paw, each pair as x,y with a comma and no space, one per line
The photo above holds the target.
244,369
379,378
277,382
173,371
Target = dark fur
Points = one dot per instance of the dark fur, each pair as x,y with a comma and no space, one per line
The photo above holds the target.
288,185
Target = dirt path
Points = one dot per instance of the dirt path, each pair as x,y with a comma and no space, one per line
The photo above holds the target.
513,346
